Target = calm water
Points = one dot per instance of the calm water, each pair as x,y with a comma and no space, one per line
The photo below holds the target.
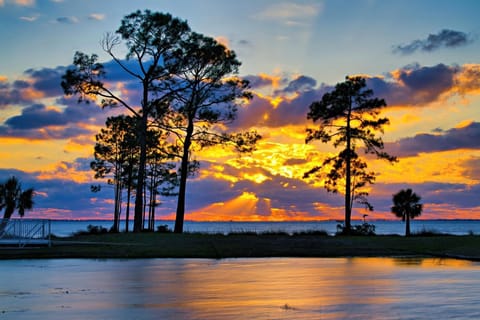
275,288
458,227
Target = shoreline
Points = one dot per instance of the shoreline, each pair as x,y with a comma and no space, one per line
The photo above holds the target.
217,246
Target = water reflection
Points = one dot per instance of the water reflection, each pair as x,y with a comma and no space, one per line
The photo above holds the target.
277,288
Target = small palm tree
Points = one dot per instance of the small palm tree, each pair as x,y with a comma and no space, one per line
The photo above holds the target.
406,206
12,198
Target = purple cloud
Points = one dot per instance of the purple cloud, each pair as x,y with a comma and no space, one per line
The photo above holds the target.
301,84
444,39
457,138
414,85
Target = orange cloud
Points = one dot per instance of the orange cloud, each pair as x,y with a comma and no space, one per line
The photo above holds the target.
66,171
32,94
223,40
468,79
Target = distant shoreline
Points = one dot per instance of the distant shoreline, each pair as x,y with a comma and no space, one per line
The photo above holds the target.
217,246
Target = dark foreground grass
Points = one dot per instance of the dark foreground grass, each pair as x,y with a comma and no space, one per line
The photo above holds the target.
169,245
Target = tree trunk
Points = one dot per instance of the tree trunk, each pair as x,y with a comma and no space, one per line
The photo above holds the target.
407,225
348,177
180,216
116,214
137,224
152,199
129,191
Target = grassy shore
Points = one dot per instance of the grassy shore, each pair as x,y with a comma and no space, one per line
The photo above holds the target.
169,245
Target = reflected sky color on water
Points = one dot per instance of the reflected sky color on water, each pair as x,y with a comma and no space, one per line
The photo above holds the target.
271,288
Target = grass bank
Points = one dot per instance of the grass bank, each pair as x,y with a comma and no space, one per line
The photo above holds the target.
169,245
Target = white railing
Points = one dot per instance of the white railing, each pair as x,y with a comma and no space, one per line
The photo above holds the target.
25,231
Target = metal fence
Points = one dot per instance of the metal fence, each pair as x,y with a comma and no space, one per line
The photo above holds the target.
25,232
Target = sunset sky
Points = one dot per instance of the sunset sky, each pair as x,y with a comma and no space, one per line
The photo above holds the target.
422,57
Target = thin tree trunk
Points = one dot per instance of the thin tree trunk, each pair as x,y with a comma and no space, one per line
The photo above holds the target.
144,201
348,178
127,212
116,214
129,191
407,225
180,216
152,198
153,213
137,225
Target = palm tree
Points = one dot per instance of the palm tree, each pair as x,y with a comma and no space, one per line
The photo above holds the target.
406,206
13,198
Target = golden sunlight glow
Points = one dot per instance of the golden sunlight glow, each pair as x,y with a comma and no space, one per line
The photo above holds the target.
467,81
223,41
36,155
464,123
274,80
256,177
64,171
442,167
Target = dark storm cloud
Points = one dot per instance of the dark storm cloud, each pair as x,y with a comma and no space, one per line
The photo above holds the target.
20,84
36,116
295,111
414,85
47,80
45,133
301,84
257,82
12,94
261,111
40,122
457,138
444,39
39,116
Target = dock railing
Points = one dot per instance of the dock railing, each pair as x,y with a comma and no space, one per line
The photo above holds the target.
24,232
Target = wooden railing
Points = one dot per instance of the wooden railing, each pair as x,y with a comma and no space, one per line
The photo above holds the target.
25,232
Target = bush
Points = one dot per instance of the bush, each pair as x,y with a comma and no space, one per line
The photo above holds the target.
364,229
427,233
91,229
321,233
163,229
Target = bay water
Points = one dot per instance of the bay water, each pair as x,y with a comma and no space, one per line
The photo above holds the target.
456,227
265,288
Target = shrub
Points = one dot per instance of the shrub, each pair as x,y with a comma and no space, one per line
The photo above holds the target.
163,229
91,229
321,233
364,229
427,233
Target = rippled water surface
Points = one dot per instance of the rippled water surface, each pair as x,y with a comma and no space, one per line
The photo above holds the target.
274,288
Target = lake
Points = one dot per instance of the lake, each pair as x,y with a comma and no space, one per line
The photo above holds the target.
457,227
267,288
